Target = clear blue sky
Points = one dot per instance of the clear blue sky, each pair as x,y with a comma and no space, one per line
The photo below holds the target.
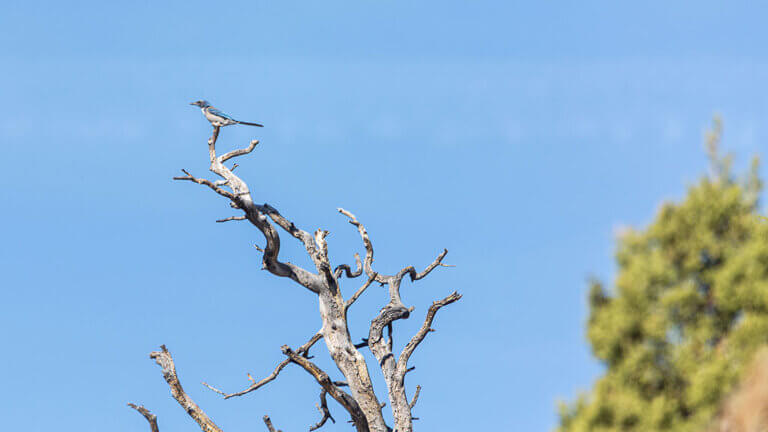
519,136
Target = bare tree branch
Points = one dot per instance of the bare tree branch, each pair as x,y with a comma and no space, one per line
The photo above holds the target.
322,378
231,218
164,359
323,408
239,152
361,403
335,331
290,228
416,276
255,386
395,309
268,422
360,291
369,255
368,263
394,371
392,311
303,350
344,268
240,198
425,328
415,397
151,418
205,182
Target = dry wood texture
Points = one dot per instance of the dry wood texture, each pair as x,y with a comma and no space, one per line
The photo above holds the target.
360,401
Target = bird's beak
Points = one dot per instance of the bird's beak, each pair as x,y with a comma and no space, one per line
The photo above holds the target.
193,103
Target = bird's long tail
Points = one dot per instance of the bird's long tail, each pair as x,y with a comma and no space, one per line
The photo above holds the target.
249,124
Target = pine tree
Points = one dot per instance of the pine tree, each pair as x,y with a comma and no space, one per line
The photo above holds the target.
688,308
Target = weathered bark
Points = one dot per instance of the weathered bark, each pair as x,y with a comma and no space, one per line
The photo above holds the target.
361,403
348,359
164,359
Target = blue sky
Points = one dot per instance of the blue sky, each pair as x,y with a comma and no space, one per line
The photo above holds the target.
517,135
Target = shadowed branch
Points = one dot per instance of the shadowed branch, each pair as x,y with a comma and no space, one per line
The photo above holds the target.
323,408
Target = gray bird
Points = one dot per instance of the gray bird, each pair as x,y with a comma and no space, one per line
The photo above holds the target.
218,118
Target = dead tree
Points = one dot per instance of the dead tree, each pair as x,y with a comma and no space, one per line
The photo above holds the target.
360,401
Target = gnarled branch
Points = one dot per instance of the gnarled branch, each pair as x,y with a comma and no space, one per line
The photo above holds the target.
368,262
323,408
393,370
361,403
240,198
416,276
344,268
289,227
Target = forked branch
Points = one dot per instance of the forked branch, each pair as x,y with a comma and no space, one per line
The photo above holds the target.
323,408
322,378
394,370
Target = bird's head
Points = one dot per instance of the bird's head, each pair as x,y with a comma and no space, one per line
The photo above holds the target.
201,103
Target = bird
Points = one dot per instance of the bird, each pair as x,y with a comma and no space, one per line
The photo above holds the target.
218,118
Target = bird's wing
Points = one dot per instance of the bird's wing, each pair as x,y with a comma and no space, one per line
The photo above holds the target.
218,113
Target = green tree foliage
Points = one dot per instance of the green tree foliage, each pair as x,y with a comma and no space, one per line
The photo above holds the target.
688,308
